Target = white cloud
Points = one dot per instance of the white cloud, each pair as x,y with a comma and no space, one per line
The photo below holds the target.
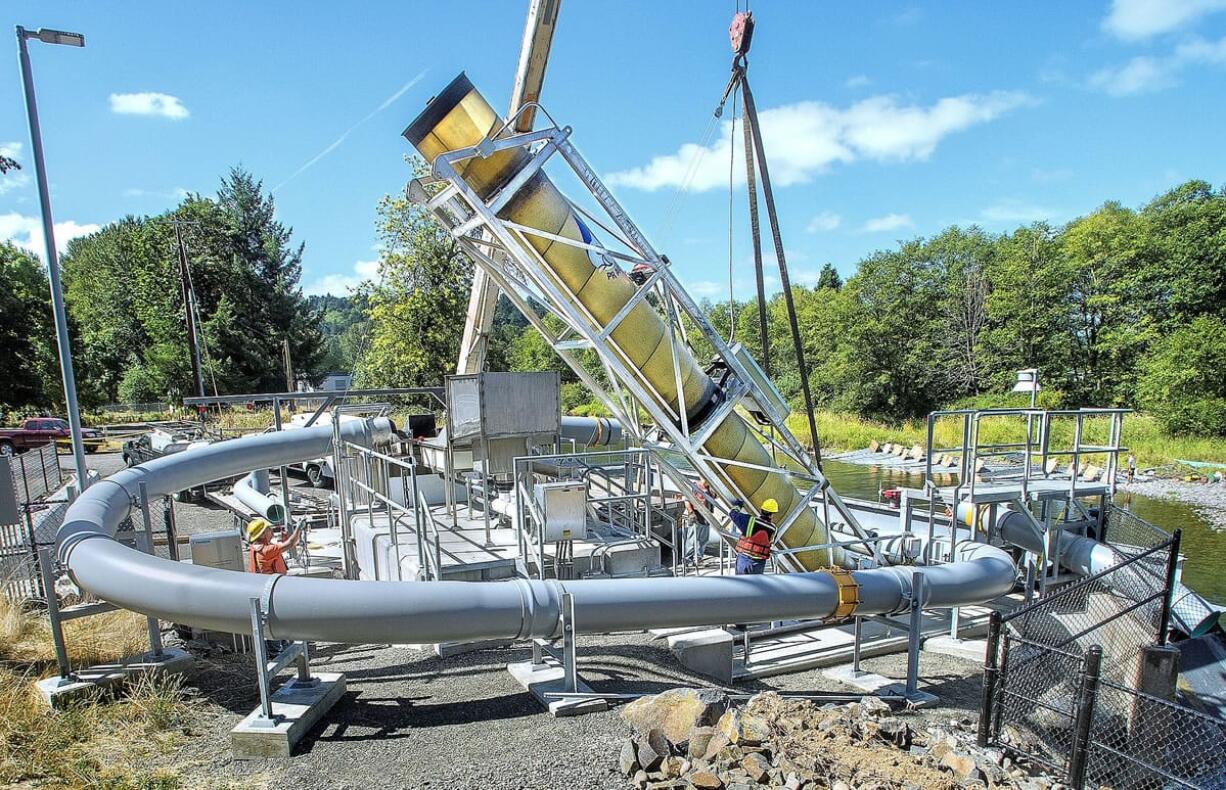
857,81
805,138
1142,74
824,222
888,222
1145,73
177,193
1012,211
162,104
14,179
27,232
341,284
708,289
1133,20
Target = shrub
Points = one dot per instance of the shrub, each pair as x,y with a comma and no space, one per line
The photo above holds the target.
1183,380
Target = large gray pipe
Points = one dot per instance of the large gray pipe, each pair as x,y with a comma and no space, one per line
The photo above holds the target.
592,431
376,611
252,491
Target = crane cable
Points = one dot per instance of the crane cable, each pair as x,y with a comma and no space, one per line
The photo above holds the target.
754,150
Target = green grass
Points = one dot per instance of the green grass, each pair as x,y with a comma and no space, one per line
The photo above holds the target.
839,432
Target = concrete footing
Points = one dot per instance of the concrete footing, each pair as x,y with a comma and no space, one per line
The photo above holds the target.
58,692
969,649
541,679
705,652
296,709
865,681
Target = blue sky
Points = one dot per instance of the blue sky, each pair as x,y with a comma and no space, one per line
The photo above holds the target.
882,121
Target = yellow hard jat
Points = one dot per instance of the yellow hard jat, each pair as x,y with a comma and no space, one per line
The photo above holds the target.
459,117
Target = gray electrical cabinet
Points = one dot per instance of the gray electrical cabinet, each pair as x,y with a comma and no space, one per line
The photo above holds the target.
222,550
563,508
503,405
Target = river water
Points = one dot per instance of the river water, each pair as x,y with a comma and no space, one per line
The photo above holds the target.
1204,569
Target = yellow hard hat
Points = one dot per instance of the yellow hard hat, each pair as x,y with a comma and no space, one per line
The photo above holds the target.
770,506
256,528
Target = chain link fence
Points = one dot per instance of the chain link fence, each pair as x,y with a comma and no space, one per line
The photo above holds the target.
21,543
1062,674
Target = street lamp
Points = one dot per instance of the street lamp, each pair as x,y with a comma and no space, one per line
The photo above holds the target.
1028,381
53,263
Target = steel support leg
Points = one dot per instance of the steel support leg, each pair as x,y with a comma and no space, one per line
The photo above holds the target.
45,564
267,718
571,674
155,628
917,627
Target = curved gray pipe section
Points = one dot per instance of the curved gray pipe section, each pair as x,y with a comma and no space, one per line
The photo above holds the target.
1191,613
592,431
377,611
252,491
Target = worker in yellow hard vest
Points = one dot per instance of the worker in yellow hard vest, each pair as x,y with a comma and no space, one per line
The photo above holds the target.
753,548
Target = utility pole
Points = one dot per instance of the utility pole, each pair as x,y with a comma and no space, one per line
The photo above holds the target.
189,307
289,366
53,262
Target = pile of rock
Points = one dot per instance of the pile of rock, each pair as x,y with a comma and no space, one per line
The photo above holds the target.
690,738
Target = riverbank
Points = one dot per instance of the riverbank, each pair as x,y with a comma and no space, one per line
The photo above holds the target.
840,432
1207,499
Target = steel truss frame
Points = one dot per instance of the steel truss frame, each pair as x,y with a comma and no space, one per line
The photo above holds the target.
502,249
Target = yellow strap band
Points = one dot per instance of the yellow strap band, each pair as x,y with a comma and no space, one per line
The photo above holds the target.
849,593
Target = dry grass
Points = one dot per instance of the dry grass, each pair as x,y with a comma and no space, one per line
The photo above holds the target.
105,741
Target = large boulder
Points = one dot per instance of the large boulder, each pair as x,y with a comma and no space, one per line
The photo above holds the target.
675,712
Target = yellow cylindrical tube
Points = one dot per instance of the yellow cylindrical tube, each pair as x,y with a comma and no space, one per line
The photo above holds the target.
459,117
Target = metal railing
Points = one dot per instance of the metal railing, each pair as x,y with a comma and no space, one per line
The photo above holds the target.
1036,451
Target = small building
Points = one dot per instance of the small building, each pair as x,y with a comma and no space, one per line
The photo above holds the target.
336,382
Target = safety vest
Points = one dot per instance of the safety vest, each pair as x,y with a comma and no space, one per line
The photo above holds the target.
755,543
265,558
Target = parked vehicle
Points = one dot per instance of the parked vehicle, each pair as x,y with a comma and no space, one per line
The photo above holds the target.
37,431
158,443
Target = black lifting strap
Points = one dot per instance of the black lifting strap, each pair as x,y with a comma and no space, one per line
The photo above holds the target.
754,150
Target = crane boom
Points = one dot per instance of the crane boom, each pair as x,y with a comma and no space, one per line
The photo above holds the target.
529,76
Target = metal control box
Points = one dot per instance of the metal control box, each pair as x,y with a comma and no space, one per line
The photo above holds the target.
486,406
563,507
222,550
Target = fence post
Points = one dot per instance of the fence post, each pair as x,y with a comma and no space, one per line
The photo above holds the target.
1087,692
991,673
1172,562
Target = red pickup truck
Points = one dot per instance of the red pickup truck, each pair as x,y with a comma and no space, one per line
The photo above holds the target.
38,431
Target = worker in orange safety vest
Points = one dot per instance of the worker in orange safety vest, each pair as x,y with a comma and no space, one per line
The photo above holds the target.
753,548
265,555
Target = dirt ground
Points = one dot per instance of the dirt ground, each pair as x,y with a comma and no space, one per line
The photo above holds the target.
411,719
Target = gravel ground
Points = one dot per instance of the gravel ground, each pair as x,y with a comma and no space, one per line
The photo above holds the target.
1208,499
411,719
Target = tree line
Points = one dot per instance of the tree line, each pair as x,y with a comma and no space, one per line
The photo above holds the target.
122,288
1121,307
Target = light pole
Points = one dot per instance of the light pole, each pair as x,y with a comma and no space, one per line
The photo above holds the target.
53,262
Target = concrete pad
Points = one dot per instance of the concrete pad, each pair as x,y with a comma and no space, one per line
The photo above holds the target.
540,679
969,649
916,699
84,682
865,681
296,709
706,652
